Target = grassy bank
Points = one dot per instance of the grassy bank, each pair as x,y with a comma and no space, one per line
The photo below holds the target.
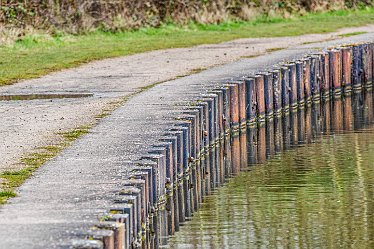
36,55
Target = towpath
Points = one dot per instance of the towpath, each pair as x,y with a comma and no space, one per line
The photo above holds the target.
27,125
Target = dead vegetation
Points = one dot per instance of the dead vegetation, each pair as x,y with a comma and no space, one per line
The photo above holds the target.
75,16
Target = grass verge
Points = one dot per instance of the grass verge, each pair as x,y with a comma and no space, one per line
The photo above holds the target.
36,55
11,180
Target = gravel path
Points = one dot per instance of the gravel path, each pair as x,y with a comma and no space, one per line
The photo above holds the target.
27,125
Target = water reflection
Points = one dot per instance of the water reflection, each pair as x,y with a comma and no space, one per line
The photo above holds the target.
320,195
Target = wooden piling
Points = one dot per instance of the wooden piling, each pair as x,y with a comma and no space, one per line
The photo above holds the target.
277,93
285,91
300,84
251,102
307,85
336,72
325,76
347,70
260,98
268,96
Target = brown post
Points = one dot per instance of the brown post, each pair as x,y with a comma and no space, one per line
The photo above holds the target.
307,86
336,72
367,60
300,84
260,99
347,70
234,107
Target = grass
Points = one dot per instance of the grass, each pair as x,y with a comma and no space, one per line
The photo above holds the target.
37,55
352,34
269,50
11,180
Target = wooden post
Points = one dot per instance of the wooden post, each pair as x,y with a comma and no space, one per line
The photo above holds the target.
277,93
336,72
260,99
347,70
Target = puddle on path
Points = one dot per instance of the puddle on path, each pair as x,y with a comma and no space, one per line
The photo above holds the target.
10,97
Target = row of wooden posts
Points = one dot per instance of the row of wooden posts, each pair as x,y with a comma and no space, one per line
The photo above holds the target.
204,146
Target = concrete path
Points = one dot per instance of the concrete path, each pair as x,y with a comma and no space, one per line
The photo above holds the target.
27,125
73,190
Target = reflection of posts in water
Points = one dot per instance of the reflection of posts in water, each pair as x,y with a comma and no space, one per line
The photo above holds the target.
325,114
270,148
252,145
368,108
294,128
278,135
316,119
243,148
301,126
337,115
235,154
347,114
261,144
286,130
357,106
308,125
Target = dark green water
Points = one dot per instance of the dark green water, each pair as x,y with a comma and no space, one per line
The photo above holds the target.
319,195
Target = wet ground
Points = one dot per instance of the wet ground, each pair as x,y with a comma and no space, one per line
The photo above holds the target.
318,195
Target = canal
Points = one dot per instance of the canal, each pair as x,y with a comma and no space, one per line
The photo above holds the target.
315,190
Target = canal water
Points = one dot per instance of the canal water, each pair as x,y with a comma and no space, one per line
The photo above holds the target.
319,193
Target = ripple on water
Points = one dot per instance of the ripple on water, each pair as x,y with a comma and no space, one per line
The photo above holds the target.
316,196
